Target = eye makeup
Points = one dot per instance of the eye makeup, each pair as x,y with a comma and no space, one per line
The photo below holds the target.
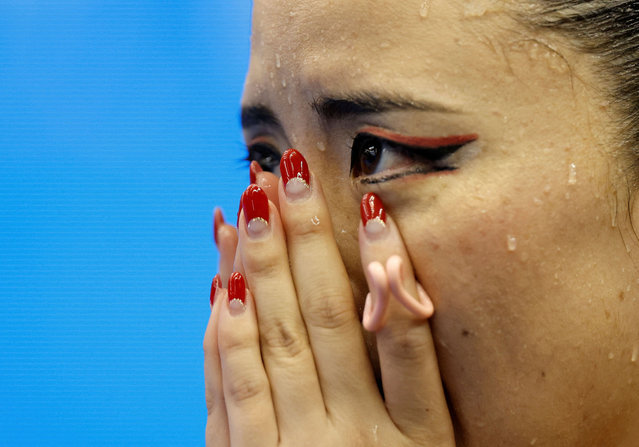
422,142
379,155
262,151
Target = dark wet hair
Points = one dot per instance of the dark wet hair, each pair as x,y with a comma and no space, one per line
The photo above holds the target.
608,29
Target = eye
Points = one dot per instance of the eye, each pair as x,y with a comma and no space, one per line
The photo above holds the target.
266,155
399,155
371,155
366,154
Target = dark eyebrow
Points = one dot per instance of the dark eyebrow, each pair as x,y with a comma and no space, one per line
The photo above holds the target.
346,106
335,108
258,115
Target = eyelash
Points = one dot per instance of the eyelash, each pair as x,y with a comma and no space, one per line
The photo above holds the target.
422,160
265,155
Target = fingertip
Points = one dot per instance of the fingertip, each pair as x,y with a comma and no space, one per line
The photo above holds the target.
218,221
237,294
215,285
269,183
254,169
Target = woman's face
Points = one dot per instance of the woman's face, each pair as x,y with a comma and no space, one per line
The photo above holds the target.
521,237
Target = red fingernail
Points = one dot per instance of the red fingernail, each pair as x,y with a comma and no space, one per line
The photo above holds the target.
218,221
295,173
256,213
239,210
373,213
237,288
253,171
215,284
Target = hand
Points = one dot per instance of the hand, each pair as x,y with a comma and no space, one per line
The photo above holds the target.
285,360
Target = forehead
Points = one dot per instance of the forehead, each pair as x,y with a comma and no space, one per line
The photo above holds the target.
353,43
330,21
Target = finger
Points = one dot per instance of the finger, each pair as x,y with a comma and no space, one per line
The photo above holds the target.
217,432
286,353
226,241
265,180
408,362
323,288
247,393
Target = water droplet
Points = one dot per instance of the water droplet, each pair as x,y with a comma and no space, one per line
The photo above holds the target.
512,243
476,8
611,356
572,175
320,146
284,83
538,201
385,44
278,60
289,99
534,441
547,189
424,9
315,220
635,354
272,75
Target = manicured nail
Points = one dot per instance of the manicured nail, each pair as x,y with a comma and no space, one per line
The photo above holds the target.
237,294
373,215
215,284
253,171
255,206
295,174
218,221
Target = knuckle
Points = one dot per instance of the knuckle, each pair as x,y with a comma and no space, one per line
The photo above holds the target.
263,263
246,387
229,342
329,310
307,228
407,344
283,340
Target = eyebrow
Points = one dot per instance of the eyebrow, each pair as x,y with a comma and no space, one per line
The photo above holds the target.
258,115
333,108
336,108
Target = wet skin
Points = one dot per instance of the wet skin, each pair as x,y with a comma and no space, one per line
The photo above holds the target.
525,246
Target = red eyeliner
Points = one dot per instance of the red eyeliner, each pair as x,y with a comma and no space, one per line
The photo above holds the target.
424,142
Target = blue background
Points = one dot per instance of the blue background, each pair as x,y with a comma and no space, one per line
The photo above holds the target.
118,135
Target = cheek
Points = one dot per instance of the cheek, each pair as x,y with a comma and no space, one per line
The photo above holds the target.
509,277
